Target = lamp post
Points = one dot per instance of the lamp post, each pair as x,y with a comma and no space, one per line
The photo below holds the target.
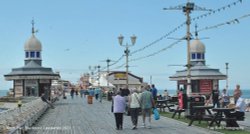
227,75
98,67
133,40
92,69
107,76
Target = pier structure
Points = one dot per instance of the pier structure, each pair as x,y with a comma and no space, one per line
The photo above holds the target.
32,79
76,116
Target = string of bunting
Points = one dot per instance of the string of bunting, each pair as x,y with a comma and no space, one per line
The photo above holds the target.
178,27
155,53
158,40
217,10
123,65
233,21
193,19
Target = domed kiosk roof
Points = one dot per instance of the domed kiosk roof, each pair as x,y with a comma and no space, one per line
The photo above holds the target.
33,44
197,47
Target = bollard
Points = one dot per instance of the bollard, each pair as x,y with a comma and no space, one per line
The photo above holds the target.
19,105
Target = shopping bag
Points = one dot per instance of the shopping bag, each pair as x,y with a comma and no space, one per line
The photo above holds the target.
156,114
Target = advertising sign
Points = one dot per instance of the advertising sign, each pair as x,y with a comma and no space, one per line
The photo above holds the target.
205,86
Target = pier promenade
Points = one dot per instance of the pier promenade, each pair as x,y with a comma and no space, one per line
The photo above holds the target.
75,116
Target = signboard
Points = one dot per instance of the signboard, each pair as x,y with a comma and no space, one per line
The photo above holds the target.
120,76
205,86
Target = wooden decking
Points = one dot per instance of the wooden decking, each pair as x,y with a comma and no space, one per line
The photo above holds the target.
75,116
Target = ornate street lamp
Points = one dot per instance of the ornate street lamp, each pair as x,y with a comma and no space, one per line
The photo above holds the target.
133,40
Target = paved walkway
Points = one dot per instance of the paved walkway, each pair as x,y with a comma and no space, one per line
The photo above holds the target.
246,122
77,117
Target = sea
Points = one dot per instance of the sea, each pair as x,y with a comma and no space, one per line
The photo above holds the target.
3,93
245,92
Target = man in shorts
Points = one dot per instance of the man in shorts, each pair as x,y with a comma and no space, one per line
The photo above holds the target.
147,103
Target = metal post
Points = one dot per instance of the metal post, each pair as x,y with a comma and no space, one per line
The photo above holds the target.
187,10
227,76
127,53
107,77
98,75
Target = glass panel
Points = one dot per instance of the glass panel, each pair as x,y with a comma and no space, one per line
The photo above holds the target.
27,54
38,54
32,54
203,56
193,55
198,55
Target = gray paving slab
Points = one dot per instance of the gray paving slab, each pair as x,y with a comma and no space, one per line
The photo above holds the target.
75,116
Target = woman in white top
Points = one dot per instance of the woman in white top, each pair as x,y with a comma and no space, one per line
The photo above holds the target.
134,105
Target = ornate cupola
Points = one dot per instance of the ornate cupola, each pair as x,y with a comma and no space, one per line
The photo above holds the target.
33,48
197,50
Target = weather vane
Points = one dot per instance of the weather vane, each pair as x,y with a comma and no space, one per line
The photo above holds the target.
33,26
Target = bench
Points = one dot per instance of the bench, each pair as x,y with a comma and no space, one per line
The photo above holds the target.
179,111
161,107
233,120
199,118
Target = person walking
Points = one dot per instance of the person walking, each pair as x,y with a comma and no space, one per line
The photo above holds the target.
154,92
134,107
97,93
119,104
147,103
72,93
100,95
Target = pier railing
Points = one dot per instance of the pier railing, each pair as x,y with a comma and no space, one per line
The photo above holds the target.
19,119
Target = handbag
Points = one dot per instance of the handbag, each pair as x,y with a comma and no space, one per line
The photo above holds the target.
112,106
156,114
138,100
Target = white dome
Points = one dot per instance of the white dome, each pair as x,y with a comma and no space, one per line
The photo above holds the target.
197,47
33,44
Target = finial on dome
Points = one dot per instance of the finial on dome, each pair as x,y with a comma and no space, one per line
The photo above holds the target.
33,23
196,32
33,31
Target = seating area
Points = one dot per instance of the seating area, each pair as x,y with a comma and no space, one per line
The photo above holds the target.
15,121
179,111
162,104
213,116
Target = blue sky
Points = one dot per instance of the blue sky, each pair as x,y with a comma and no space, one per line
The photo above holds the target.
78,33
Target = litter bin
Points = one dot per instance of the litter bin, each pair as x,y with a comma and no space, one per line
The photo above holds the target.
90,99
195,101
109,96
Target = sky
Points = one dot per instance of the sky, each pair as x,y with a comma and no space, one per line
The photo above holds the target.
76,34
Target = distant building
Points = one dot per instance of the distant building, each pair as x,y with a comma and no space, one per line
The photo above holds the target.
118,79
84,81
203,78
32,79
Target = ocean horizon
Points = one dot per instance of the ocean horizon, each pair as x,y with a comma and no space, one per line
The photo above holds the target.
245,92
